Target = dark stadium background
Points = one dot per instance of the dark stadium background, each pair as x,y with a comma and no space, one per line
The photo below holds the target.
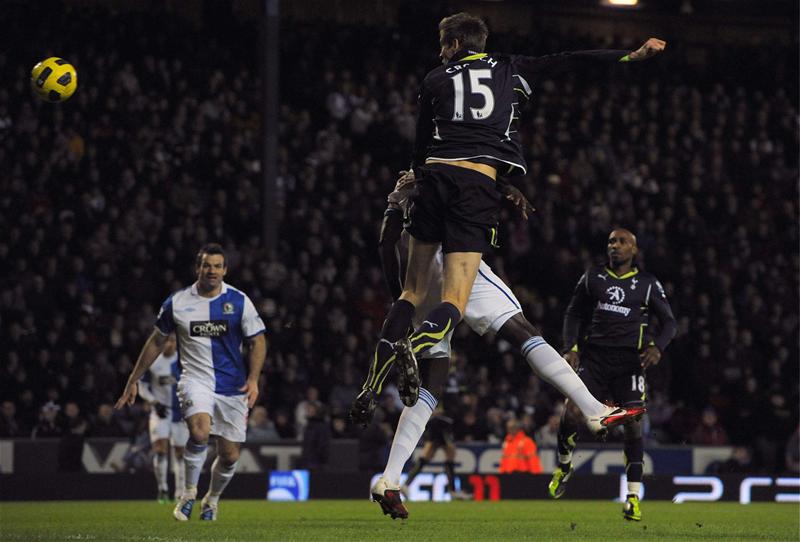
105,199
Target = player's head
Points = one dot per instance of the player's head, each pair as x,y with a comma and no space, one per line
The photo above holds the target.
170,345
211,266
622,248
461,31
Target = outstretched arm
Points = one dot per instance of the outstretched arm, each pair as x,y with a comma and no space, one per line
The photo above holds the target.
537,68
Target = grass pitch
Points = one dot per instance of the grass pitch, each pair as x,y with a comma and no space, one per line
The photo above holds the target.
344,521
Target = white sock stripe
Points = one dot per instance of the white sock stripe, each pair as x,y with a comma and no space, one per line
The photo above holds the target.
428,397
431,403
531,344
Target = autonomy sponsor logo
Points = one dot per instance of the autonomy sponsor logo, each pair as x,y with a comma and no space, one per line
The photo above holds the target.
208,328
625,311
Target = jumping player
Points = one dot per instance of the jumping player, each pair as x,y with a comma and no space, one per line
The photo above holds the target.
466,134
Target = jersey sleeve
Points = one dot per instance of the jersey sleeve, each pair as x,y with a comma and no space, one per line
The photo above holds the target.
536,68
165,323
659,305
144,387
252,324
575,314
424,132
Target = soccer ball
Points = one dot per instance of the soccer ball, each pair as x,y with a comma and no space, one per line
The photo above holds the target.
54,79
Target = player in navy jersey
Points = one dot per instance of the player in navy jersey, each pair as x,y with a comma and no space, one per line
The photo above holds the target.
466,134
608,332
167,429
211,321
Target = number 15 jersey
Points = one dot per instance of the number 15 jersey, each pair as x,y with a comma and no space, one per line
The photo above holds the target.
469,108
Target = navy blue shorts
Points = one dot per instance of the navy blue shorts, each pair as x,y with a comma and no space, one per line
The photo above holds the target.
456,207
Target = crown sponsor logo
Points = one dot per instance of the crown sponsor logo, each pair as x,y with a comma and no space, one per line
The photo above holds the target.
208,328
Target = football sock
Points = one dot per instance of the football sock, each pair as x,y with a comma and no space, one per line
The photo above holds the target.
437,324
634,463
160,464
409,430
179,470
193,458
221,474
450,470
548,364
394,328
567,439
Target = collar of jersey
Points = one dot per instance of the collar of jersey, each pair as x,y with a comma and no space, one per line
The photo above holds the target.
222,291
629,274
471,55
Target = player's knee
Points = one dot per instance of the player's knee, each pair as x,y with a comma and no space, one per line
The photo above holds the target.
199,435
229,457
159,447
178,452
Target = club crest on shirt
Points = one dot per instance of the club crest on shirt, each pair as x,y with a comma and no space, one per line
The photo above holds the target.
227,308
616,295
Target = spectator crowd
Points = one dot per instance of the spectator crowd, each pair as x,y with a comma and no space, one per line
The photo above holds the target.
105,199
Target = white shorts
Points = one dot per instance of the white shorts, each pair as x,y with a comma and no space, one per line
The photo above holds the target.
228,412
162,428
490,305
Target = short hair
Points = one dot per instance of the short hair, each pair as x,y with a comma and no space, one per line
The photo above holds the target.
210,248
470,31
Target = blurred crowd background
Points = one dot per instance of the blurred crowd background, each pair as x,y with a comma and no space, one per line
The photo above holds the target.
104,201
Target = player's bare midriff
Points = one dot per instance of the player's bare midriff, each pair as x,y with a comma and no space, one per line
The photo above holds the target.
489,171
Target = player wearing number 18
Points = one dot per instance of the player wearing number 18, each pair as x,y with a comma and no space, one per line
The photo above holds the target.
609,332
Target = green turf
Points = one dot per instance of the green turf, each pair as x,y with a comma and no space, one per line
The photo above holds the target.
344,521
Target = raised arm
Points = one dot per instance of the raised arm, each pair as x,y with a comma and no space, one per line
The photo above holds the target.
144,388
537,68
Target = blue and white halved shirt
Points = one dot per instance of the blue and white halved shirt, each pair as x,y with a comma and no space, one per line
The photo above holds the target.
159,385
210,332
